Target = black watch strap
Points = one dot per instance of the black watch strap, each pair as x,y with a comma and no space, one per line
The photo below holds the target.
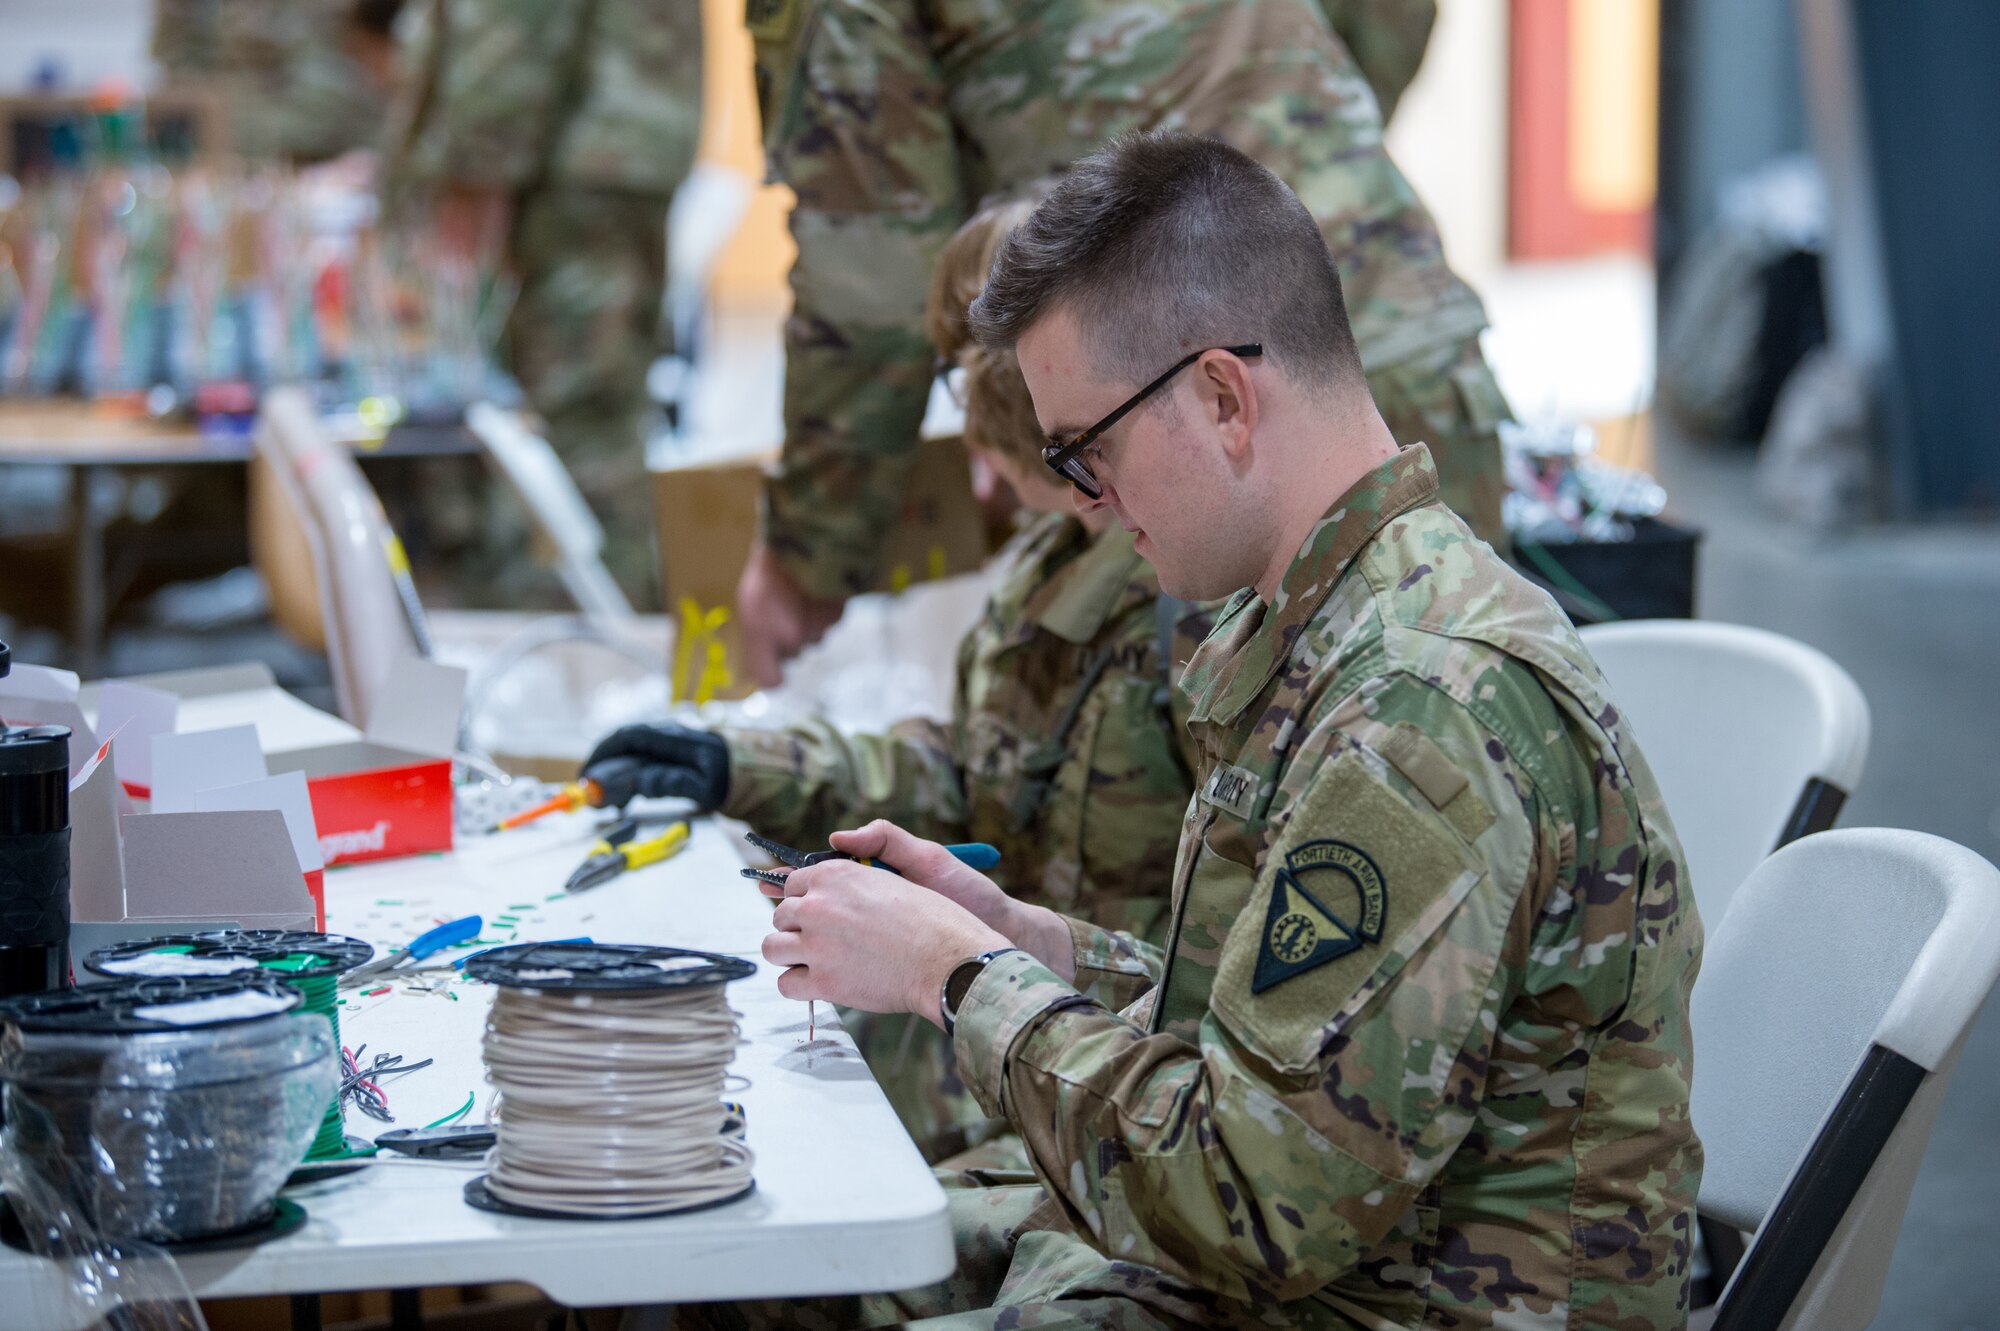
959,983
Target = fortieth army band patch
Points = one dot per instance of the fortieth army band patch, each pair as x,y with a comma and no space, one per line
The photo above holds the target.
1301,930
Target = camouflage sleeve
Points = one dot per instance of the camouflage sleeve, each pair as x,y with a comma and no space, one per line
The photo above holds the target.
866,144
1113,967
1345,1049
1387,39
800,784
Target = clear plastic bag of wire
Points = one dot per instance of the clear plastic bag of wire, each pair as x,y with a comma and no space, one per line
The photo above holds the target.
149,1116
117,1284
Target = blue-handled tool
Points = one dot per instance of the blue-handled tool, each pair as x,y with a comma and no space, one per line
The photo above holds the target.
453,933
973,854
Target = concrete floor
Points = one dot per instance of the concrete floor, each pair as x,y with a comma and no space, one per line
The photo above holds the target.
1914,615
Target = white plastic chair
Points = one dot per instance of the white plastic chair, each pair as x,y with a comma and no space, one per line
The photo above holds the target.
367,604
1865,955
1755,739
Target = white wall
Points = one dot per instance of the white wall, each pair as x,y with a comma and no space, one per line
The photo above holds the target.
1450,134
89,40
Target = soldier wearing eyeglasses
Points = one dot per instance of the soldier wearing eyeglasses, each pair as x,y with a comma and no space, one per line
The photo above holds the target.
1416,1053
889,120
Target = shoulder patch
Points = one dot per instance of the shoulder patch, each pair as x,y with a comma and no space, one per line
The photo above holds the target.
1300,930
1357,882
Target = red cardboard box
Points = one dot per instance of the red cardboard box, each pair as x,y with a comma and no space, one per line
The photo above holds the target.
376,793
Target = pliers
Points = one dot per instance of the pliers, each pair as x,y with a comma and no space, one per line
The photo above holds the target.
618,852
973,854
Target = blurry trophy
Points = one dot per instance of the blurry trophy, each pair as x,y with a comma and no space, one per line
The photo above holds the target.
34,856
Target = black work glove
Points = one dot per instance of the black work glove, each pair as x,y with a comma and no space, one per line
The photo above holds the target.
660,761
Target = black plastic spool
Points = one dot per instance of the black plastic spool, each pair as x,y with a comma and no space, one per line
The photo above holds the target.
601,968
286,1217
111,1009
340,953
629,967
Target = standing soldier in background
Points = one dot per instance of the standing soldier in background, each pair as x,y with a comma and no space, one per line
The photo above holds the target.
887,119
567,128
297,79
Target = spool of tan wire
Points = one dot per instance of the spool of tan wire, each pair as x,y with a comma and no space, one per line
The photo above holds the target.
608,1062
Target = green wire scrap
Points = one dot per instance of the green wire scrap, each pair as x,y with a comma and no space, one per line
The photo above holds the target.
455,1114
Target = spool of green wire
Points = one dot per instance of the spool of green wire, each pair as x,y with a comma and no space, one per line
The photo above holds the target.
311,963
321,995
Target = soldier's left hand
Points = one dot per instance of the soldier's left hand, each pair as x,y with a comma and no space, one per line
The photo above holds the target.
867,939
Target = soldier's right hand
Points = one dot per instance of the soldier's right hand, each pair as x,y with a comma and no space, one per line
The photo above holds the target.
1035,929
663,761
775,617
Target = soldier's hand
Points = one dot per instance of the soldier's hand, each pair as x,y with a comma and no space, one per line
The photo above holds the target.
863,938
660,761
1035,929
775,617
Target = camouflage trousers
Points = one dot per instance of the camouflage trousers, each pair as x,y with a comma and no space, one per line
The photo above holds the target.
1011,1273
586,326
1448,399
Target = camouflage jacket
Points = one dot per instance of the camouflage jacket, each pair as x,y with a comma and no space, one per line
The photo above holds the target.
1064,749
890,119
288,84
1418,1054
503,94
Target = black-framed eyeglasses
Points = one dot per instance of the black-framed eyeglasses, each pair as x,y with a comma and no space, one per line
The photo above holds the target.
1066,460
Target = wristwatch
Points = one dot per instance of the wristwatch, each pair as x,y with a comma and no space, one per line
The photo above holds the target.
959,983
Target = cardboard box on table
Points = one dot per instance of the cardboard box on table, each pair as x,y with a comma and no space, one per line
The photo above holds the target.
376,793
708,514
248,860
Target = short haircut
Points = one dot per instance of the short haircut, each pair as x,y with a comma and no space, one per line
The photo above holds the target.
1161,243
999,414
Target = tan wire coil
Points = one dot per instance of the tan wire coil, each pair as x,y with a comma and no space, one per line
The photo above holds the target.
610,1103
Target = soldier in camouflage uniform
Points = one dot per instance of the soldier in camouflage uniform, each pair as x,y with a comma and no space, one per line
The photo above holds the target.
1064,720
578,122
294,77
1417,1054
888,119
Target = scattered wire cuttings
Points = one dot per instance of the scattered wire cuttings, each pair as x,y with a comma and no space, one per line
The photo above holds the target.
363,1086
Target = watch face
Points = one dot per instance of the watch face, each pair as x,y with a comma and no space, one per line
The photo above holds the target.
960,982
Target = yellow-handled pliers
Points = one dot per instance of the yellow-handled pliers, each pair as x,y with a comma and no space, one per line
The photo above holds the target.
619,851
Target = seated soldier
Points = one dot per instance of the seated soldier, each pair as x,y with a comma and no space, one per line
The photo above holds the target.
1064,748
1417,1051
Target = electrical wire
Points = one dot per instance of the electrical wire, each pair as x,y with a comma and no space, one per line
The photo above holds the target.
610,1102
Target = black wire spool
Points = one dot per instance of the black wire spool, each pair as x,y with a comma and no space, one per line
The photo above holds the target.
335,954
590,969
168,1109
604,966
310,962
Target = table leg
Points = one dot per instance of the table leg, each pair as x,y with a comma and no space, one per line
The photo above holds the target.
86,632
305,1312
406,1312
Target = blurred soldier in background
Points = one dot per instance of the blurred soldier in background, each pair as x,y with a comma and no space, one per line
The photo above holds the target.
298,79
888,119
559,132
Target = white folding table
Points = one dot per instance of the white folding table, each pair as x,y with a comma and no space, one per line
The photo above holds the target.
843,1201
